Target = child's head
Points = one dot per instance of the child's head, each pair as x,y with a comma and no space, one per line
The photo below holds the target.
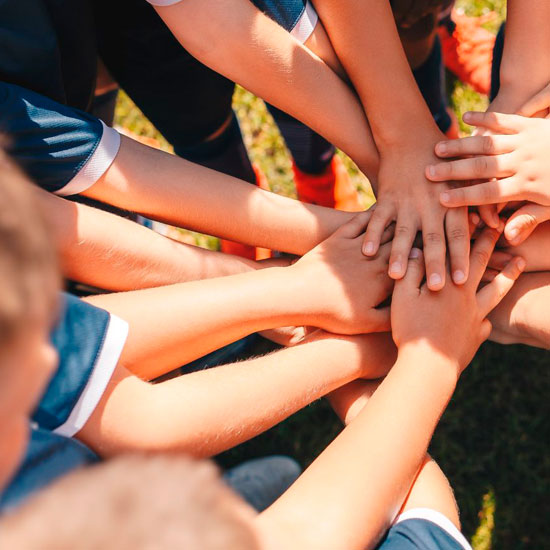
138,502
29,283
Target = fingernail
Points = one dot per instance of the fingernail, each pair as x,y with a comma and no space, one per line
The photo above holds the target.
445,197
414,253
459,276
395,268
369,248
475,219
513,233
431,170
521,264
466,116
442,147
435,279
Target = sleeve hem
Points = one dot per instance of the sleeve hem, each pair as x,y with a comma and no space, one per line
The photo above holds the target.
439,519
163,2
98,163
306,24
107,360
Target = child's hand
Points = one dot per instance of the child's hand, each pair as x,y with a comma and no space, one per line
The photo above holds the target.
533,250
406,197
516,160
452,322
341,287
538,106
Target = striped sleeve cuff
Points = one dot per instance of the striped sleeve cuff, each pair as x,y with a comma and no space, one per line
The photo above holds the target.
98,163
107,360
439,519
306,24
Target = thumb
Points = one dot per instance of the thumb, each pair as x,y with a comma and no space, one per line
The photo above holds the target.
524,221
357,225
537,105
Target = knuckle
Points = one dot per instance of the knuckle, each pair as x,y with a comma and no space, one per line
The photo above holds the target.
529,221
488,145
457,234
480,166
482,256
433,237
402,230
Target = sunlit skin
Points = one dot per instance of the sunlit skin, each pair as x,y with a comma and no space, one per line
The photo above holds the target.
25,368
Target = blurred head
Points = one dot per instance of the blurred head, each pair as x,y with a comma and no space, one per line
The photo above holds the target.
29,282
138,502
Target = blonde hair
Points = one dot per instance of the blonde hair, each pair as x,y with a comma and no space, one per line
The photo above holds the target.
29,277
134,502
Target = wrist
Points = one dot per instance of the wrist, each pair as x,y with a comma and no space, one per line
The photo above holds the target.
410,137
423,357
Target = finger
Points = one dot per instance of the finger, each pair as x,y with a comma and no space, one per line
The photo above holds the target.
405,232
475,145
489,275
491,295
416,270
375,229
388,234
540,102
477,168
499,123
499,260
490,192
380,319
356,226
433,238
524,221
482,251
458,243
489,214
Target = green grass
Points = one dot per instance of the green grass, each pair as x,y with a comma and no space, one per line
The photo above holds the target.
493,440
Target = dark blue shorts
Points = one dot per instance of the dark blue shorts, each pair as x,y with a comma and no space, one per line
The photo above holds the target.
423,529
298,17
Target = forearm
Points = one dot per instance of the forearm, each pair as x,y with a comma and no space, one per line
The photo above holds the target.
173,325
106,251
169,189
261,56
357,29
398,423
525,69
210,411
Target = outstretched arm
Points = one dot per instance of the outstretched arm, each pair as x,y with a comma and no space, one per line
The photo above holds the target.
172,190
137,258
351,493
207,412
405,134
525,69
264,58
171,326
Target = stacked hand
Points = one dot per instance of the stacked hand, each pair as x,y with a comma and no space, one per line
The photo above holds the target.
341,288
452,322
407,198
512,164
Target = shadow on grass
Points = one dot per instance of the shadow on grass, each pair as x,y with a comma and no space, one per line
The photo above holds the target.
492,442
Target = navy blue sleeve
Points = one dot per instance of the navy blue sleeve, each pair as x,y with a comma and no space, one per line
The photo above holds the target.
88,341
48,457
63,150
421,534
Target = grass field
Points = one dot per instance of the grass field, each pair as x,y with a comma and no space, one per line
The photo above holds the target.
493,440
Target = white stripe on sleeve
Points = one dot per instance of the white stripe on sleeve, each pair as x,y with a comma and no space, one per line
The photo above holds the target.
306,24
439,519
107,360
103,156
